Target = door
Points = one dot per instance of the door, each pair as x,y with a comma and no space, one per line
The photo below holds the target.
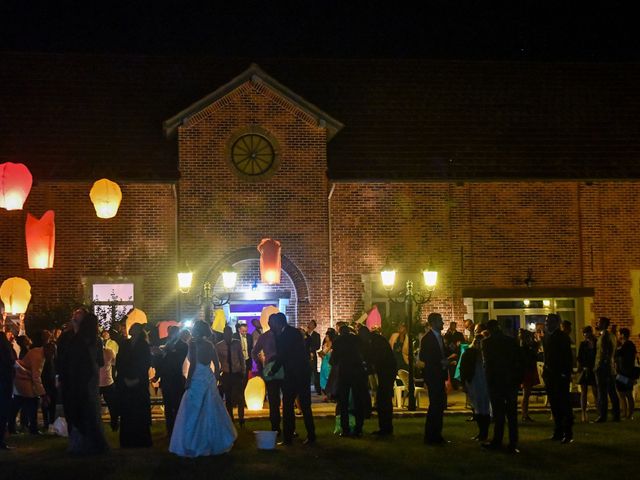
510,324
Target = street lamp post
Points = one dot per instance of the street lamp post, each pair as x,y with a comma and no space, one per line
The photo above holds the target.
207,297
409,298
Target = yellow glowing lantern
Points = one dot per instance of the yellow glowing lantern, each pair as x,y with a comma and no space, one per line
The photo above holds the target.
219,321
388,276
106,197
254,394
15,293
41,240
229,277
135,316
15,185
270,262
264,316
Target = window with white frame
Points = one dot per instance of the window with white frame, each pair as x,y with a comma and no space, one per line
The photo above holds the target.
111,301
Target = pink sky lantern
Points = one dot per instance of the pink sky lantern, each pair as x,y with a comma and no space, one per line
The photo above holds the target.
270,263
41,240
15,185
374,320
163,327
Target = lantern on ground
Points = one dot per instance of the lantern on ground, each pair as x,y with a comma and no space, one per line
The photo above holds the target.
270,263
135,316
106,197
15,293
15,185
254,394
264,316
41,240
219,321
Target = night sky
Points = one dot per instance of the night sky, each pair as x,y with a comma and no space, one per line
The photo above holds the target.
516,30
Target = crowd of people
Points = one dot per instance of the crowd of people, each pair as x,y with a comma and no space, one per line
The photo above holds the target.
203,374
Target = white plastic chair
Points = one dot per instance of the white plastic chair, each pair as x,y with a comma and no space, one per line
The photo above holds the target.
399,391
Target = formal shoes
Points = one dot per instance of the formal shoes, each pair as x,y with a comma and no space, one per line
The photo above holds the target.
491,446
527,418
436,441
599,420
285,443
513,449
566,440
309,441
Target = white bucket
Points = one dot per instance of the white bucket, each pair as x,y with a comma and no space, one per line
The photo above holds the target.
266,439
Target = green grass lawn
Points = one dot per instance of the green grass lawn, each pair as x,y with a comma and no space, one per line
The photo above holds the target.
599,451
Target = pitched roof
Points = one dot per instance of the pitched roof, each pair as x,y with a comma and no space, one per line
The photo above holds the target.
82,116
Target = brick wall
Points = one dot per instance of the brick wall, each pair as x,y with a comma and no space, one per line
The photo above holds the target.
487,235
221,212
139,241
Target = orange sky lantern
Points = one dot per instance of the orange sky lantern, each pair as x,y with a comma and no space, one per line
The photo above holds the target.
15,185
41,240
270,262
106,197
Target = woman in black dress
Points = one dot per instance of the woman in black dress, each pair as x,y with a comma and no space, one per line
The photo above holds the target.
625,370
586,364
83,359
133,364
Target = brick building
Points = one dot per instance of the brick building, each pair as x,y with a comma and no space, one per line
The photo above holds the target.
520,181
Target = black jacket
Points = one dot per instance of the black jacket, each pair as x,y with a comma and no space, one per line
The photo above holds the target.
347,356
432,355
503,362
292,355
558,359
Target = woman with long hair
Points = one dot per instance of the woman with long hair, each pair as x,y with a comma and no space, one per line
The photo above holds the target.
625,372
133,364
586,363
82,400
529,348
203,425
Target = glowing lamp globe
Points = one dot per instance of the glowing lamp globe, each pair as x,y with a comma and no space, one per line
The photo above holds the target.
229,278
15,185
15,293
254,394
106,197
41,240
135,316
184,281
430,278
388,277
270,261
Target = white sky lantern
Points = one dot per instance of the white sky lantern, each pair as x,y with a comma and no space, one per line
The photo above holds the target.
106,197
15,293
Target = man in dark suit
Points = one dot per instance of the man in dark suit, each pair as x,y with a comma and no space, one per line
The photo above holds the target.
312,341
291,355
432,353
381,361
504,370
169,371
558,366
246,341
346,357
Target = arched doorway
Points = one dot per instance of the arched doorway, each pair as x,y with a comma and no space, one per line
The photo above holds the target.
250,295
